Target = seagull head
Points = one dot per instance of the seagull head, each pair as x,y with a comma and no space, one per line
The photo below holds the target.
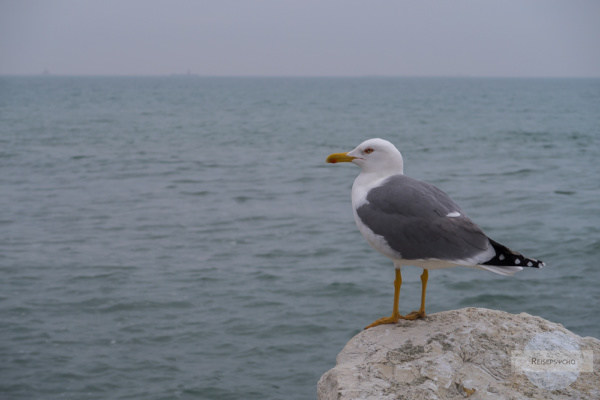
373,156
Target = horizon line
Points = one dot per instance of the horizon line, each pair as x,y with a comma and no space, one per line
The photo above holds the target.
197,75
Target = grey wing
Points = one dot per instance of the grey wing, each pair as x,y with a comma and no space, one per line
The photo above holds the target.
412,216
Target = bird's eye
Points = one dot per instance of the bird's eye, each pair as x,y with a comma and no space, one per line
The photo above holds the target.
368,150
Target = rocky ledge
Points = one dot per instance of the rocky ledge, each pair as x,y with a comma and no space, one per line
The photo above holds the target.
470,353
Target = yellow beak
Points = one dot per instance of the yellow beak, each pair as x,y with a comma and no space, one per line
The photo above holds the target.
339,157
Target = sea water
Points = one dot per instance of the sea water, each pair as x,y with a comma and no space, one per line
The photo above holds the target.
182,237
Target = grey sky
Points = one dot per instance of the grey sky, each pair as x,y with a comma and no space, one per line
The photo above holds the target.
302,37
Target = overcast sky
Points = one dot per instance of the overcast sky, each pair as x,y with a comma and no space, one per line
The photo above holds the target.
302,37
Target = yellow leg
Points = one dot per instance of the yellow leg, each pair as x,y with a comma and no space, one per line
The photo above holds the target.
395,314
421,313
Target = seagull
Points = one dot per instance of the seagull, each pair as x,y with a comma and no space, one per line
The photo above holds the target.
415,223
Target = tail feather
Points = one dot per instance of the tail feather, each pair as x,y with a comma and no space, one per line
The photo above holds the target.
506,271
507,258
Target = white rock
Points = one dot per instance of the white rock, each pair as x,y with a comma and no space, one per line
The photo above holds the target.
455,354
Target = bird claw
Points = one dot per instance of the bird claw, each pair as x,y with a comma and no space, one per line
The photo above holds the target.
386,320
397,317
414,315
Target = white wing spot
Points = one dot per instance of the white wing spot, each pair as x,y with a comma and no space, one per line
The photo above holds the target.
530,264
453,214
517,261
501,257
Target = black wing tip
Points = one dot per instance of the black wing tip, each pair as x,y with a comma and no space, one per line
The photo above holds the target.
505,257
